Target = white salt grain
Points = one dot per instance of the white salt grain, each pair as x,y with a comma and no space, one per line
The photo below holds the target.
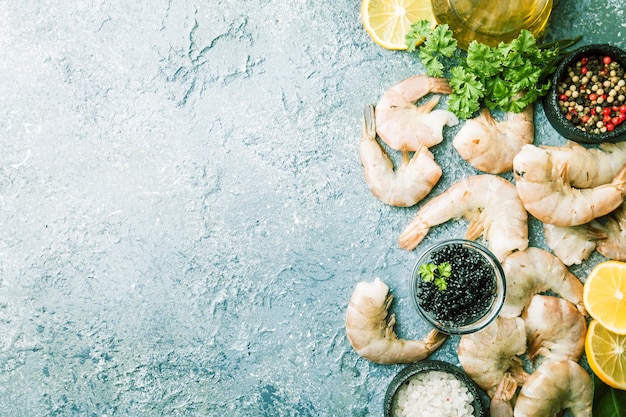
433,394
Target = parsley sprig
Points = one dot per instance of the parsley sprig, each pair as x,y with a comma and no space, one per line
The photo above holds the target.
506,77
439,274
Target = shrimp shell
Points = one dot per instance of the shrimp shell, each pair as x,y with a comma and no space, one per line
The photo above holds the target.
404,126
500,405
369,328
533,271
490,145
613,246
553,387
589,167
491,205
555,329
405,186
489,354
546,193
573,244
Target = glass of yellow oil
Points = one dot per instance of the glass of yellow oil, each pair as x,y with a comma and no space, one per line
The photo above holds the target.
492,21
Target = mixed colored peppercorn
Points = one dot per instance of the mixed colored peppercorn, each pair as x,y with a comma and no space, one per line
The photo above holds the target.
592,94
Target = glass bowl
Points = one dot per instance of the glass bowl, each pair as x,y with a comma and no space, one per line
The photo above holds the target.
552,107
475,291
480,401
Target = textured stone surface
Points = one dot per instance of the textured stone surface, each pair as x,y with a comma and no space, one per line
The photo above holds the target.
183,215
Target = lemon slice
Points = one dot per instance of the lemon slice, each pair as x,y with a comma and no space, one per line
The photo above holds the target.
388,21
606,355
604,295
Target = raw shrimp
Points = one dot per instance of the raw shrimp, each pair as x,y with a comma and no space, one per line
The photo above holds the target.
555,329
370,329
407,185
404,126
546,193
490,145
614,245
573,244
500,405
491,205
553,387
489,354
589,167
533,271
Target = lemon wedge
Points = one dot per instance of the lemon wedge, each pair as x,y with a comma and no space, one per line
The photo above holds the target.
388,21
606,355
604,295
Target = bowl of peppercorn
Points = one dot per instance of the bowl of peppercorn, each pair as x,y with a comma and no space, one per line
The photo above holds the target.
458,286
587,98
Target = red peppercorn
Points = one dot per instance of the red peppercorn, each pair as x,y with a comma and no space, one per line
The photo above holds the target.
622,108
622,117
606,119
584,60
585,118
593,96
606,110
615,108
615,120
583,70
607,60
563,97
593,112
610,127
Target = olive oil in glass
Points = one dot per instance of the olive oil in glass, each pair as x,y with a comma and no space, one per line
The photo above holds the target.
492,21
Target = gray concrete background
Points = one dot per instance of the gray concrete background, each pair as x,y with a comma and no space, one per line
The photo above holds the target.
183,214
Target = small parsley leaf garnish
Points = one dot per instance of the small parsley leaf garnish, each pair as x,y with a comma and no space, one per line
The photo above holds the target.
438,274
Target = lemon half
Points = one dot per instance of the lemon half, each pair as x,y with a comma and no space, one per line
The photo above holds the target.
388,21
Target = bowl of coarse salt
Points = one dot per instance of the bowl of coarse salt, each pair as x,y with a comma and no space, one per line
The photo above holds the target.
434,388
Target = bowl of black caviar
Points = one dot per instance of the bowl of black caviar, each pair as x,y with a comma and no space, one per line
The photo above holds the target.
587,98
458,286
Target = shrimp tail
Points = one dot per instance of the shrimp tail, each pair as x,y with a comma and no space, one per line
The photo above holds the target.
413,234
474,229
517,371
440,85
501,402
429,105
535,343
434,339
619,182
594,233
369,122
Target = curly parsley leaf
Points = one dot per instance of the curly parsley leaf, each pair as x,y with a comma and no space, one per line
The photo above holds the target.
508,77
434,45
438,274
467,92
417,34
441,41
432,64
484,59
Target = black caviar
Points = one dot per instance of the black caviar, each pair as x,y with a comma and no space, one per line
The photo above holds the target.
471,287
592,94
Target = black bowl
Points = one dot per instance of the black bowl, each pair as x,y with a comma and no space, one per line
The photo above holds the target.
551,105
481,400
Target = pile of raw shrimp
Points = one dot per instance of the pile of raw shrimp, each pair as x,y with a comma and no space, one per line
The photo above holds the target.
576,192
